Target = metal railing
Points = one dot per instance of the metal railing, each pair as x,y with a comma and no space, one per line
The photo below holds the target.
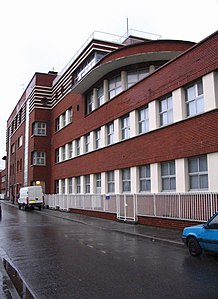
181,206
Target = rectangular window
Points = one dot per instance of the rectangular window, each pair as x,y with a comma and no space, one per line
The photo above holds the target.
70,115
57,124
110,133
114,86
135,76
20,141
125,127
70,185
63,153
144,178
194,98
57,156
168,176
39,158
70,150
143,120
87,143
198,173
63,186
89,103
110,182
78,185
126,180
63,119
98,183
98,138
78,147
87,184
39,128
56,187
166,111
100,96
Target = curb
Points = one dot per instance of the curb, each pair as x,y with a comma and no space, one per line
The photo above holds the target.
6,280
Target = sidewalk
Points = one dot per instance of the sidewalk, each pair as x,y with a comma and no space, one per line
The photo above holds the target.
172,236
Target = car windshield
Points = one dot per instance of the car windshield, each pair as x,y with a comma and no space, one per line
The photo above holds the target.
214,222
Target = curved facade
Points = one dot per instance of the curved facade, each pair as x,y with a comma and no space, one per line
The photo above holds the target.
131,118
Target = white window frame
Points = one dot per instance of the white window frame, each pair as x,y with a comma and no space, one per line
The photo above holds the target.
195,104
126,180
114,86
168,176
143,120
110,181
198,174
166,110
39,129
144,180
39,158
125,127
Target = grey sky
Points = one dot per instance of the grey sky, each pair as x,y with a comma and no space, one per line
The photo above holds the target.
42,35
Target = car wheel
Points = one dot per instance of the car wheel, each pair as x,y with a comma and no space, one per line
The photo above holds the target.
194,247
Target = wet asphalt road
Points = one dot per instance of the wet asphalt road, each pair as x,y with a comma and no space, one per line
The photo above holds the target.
63,259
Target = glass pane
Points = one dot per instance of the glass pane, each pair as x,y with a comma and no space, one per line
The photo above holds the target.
200,105
203,163
193,165
163,105
200,87
173,184
191,108
172,168
164,169
194,182
191,93
203,181
165,184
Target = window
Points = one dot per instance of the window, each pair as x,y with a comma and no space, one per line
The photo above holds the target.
63,186
89,103
110,182
198,173
194,98
114,86
98,138
135,76
100,96
78,147
87,143
126,180
144,178
20,141
125,127
63,119
70,185
98,183
57,156
39,128
70,150
143,120
57,124
13,148
110,133
70,115
63,153
166,111
38,158
87,184
56,187
168,176
78,185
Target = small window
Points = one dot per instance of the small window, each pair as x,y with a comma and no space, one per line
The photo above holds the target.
144,178
166,111
63,186
110,181
70,185
135,76
57,156
98,183
78,147
110,133
39,158
194,98
114,86
87,184
198,173
56,187
20,141
100,96
125,127
143,120
78,185
168,176
89,103
87,143
126,180
57,124
98,138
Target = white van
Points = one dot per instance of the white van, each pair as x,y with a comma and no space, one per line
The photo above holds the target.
30,197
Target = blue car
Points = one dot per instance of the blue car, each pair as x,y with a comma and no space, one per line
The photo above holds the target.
202,237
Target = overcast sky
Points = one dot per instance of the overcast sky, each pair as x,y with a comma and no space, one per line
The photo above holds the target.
42,35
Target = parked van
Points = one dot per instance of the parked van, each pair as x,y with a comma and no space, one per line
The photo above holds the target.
30,197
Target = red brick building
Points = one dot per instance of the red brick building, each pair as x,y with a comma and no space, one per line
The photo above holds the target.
136,116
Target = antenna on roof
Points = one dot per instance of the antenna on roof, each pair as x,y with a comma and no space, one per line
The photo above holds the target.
127,26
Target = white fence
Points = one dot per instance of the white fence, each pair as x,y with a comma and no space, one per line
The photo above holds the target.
183,206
